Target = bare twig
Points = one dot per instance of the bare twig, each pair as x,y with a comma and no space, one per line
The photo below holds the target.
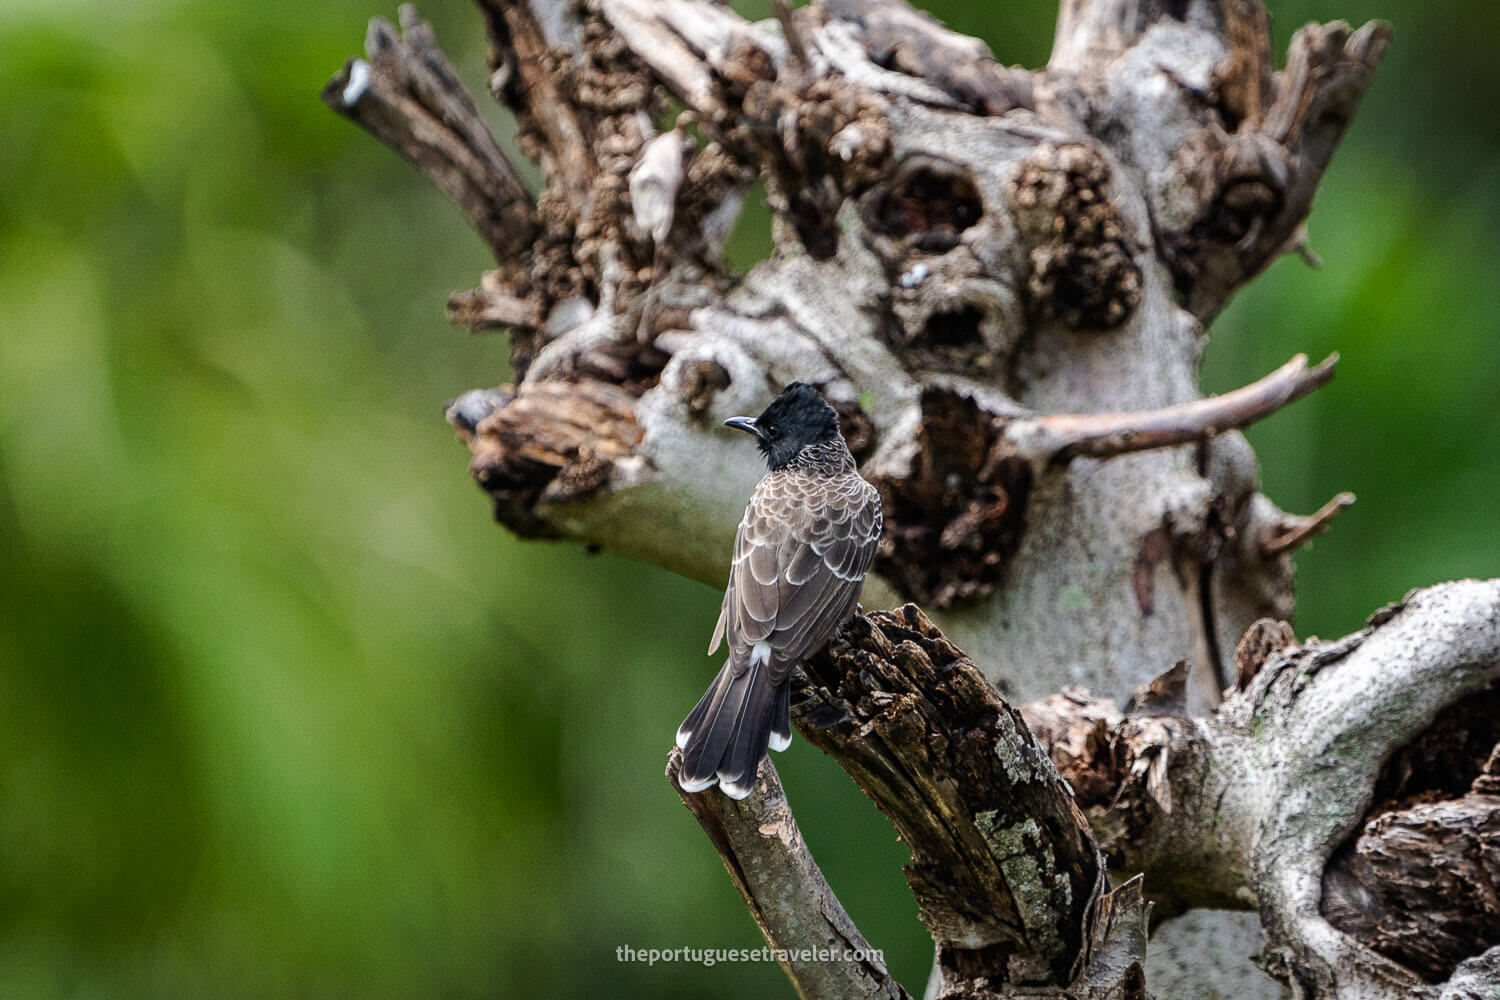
480,310
549,108
1296,530
1061,437
822,952
1301,245
795,46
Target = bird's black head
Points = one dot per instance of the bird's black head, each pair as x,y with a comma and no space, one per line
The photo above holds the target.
800,416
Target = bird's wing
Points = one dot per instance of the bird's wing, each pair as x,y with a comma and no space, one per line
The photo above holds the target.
801,553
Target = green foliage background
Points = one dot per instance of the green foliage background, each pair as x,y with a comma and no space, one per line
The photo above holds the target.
282,714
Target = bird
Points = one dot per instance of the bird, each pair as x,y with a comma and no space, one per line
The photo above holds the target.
801,553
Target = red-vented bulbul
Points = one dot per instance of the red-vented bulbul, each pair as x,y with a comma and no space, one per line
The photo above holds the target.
802,551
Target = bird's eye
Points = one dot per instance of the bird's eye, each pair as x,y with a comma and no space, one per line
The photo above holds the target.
772,430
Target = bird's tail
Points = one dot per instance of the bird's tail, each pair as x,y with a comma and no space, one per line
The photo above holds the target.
726,734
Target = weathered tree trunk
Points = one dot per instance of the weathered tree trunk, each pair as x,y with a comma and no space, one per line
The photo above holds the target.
1002,279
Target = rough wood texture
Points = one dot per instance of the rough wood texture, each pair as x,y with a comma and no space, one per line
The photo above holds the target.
1229,200
1213,811
1003,866
785,891
1000,278
1018,241
544,443
1268,802
1005,870
1418,882
409,98
1419,885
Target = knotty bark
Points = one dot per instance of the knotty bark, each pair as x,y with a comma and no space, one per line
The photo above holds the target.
946,227
1001,278
1346,790
1418,885
1005,820
1003,867
1418,882
1006,873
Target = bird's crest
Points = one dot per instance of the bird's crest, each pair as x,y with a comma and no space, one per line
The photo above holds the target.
800,416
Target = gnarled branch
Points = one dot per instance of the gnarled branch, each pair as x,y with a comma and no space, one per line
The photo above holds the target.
1005,870
1273,801
1000,278
1213,811
409,98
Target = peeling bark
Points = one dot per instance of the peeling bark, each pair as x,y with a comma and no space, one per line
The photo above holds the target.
1003,818
1003,867
1419,884
1418,881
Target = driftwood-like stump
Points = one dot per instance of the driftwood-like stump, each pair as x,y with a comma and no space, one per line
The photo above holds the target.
1002,278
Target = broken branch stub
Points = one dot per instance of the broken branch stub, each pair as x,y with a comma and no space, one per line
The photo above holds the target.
407,95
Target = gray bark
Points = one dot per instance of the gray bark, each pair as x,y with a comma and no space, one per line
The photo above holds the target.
1002,279
1037,275
1273,800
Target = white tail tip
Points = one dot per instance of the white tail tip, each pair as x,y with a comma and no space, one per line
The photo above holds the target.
735,791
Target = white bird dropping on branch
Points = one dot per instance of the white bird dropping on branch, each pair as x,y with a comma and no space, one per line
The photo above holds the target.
654,181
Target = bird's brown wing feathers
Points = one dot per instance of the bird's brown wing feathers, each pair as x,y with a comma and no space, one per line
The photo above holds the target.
801,552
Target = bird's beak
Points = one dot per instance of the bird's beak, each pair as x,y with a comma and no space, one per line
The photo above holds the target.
743,424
